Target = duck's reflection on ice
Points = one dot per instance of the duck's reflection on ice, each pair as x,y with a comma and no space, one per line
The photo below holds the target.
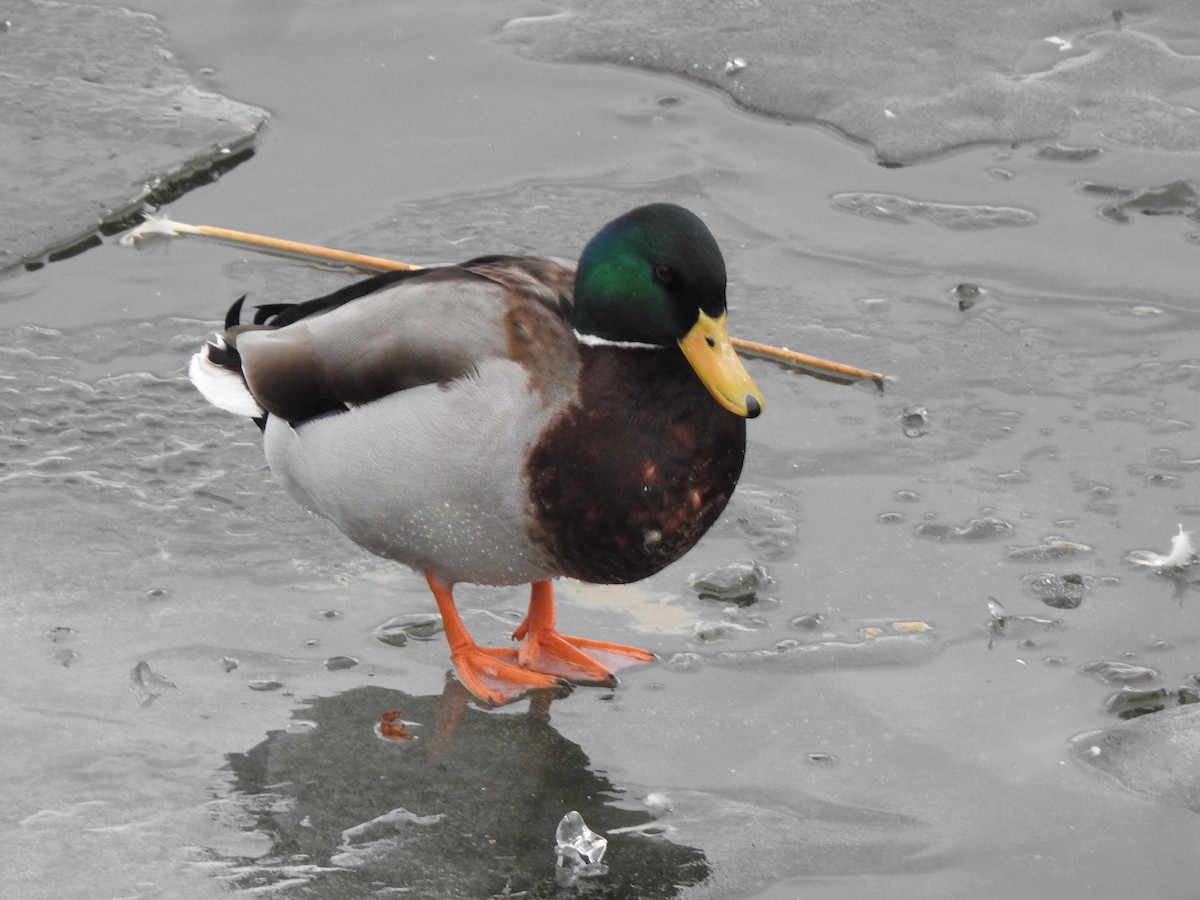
433,796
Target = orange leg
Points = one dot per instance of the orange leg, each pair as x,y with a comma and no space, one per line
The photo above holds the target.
575,659
491,675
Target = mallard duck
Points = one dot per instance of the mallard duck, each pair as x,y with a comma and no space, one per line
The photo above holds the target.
509,420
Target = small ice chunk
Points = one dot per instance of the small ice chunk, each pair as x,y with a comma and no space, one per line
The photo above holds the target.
968,295
738,583
393,822
398,630
1002,623
578,850
914,421
147,684
976,530
1112,671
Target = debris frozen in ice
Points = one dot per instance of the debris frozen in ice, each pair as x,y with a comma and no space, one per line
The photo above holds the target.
737,582
1050,548
1182,555
968,295
1178,198
578,850
1059,591
708,631
1130,702
397,630
1002,623
808,622
893,644
768,520
1112,671
1062,153
392,822
684,661
954,216
60,633
977,530
914,420
147,684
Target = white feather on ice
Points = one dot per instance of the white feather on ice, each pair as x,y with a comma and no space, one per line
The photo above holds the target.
1182,555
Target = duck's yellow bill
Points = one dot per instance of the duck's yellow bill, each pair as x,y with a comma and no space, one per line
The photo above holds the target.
708,349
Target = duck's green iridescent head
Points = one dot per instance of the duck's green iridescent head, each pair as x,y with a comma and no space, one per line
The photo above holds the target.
656,276
644,276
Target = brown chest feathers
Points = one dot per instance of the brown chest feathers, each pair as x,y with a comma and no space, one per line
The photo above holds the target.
626,481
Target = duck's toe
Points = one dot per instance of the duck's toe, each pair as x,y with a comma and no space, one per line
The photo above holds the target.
578,660
495,677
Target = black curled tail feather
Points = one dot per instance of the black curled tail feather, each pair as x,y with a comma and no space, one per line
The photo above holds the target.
221,350
233,316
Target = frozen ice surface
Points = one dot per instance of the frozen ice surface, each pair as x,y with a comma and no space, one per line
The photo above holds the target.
98,119
909,81
1157,755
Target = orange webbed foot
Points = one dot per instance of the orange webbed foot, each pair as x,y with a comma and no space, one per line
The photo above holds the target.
495,676
578,660
486,674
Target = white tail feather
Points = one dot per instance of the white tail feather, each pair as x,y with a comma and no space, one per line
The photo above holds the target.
221,387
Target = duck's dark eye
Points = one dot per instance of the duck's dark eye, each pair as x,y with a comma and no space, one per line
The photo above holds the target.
663,274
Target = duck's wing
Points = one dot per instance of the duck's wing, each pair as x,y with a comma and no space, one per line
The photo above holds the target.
385,334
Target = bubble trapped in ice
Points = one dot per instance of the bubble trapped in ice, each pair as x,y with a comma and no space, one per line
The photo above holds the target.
578,850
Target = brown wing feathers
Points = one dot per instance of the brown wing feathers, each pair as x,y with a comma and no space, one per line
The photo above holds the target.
435,328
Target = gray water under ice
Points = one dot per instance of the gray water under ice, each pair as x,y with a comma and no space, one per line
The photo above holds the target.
893,710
